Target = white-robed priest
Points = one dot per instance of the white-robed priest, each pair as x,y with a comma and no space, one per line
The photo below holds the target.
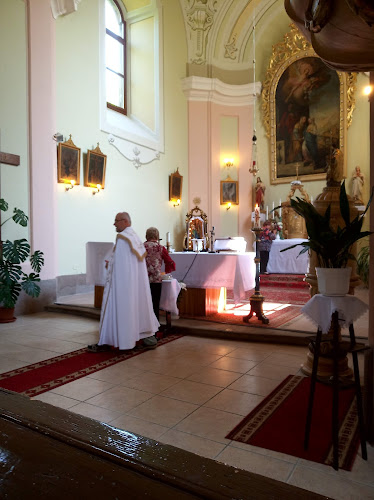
127,312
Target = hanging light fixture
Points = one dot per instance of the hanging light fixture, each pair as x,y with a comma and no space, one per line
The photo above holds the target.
254,167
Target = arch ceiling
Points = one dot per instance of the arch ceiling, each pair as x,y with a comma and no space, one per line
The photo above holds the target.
220,32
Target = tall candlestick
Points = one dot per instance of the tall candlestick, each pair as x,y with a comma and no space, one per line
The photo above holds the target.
267,212
273,207
311,200
168,237
280,209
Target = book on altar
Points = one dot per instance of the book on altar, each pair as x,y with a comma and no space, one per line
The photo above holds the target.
230,244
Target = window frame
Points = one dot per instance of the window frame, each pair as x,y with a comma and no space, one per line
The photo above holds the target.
123,42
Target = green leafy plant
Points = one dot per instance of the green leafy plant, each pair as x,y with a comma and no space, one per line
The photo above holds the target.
12,254
363,263
332,247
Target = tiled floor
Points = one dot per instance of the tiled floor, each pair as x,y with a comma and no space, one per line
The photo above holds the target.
189,393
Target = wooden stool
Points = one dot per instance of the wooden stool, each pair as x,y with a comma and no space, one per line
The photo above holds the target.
337,384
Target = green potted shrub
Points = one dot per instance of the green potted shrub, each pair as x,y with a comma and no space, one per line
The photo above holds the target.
332,247
12,278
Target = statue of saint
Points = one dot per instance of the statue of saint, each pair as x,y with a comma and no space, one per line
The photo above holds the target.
357,185
334,174
260,193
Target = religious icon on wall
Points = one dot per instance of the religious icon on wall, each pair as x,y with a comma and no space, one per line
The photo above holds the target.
229,191
95,168
68,162
175,186
307,108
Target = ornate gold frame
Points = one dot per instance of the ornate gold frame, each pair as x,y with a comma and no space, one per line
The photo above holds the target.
295,46
195,213
95,168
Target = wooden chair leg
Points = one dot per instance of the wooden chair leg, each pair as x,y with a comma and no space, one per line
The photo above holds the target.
360,412
312,389
335,392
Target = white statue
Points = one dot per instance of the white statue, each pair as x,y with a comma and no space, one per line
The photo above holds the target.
357,182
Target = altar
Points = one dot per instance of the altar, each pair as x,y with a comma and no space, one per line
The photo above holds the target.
289,262
207,275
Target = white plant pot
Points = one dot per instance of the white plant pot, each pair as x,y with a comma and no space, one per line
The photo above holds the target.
333,281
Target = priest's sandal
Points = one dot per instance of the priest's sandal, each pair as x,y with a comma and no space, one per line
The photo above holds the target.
98,348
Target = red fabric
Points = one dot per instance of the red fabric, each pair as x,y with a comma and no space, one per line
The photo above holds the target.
169,263
281,427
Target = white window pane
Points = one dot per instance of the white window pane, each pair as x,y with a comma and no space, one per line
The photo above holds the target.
114,54
114,89
113,19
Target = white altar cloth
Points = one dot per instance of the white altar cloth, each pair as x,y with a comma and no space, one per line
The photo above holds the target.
287,262
96,255
215,270
169,294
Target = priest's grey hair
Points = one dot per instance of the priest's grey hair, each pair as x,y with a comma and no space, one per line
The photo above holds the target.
126,216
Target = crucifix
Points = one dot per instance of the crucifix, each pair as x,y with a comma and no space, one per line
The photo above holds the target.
8,159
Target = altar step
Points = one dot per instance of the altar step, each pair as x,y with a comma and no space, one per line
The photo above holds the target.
284,281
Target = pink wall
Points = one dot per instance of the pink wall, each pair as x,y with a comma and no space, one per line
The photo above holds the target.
42,127
204,169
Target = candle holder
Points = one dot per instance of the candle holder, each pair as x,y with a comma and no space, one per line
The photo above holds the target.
257,299
168,245
212,235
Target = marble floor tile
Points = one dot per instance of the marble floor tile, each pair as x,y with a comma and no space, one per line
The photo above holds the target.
274,372
233,364
254,385
119,398
57,400
139,426
191,392
237,402
209,423
163,411
95,412
214,376
201,446
82,389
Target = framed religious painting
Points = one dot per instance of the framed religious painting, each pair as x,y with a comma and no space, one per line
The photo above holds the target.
307,109
175,186
229,192
68,162
95,168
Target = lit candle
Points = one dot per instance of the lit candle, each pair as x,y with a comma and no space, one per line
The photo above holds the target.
168,237
273,208
311,200
267,212
257,216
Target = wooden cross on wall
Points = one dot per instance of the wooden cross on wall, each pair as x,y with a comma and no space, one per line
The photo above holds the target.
8,159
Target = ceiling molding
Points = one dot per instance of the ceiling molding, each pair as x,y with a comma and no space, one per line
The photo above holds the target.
213,90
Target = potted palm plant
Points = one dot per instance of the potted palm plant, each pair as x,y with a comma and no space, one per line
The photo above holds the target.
12,278
332,247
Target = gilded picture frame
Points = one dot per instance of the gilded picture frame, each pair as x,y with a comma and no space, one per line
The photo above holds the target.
175,186
95,168
229,192
307,108
68,162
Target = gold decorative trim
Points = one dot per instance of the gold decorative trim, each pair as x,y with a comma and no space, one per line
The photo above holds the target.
295,46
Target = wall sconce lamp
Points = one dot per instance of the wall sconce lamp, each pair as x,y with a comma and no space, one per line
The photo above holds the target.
176,203
229,162
228,205
97,189
69,185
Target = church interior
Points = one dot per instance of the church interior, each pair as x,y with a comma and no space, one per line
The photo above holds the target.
203,118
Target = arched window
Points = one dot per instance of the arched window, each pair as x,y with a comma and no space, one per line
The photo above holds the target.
115,57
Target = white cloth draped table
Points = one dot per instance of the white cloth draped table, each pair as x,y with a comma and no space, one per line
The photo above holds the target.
96,255
287,262
169,294
213,270
321,307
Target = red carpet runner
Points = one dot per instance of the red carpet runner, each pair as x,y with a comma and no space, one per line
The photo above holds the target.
234,315
278,423
41,377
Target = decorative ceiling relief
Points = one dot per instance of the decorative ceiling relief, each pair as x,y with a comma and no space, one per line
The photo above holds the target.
138,155
63,7
199,16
